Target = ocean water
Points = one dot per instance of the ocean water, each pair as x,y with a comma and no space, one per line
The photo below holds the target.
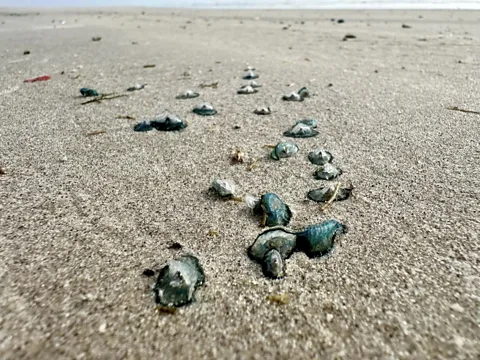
333,4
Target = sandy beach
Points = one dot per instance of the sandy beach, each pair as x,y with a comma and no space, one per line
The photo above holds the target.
82,216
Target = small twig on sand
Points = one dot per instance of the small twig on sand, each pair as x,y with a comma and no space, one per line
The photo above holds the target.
212,85
269,146
456,108
128,117
98,132
236,198
149,66
103,97
332,199
252,165
165,310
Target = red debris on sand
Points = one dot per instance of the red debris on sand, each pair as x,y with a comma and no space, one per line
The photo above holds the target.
40,78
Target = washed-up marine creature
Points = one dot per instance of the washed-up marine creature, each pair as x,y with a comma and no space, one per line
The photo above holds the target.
327,171
244,90
87,92
318,239
168,122
188,94
271,248
325,193
284,150
177,281
297,96
253,84
263,111
249,68
204,109
143,126
309,122
274,211
320,157
250,75
301,130
136,87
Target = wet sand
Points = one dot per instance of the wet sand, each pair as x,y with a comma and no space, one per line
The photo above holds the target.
82,216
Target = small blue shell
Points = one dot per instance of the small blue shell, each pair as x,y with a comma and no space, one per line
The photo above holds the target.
168,122
318,239
86,92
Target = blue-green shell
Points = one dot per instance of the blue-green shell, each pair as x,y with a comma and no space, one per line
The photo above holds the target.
86,92
280,239
276,211
143,126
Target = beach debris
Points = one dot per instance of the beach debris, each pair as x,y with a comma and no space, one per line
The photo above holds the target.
160,309
339,21
188,94
128,117
237,156
405,26
149,66
297,96
284,150
278,238
148,272
281,299
97,132
320,157
204,109
102,97
96,38
2,171
318,239
87,92
273,211
250,68
38,78
175,246
143,126
326,193
250,75
212,85
26,52
167,121
349,36
301,130
263,111
253,84
212,233
224,188
327,171
178,280
253,164
247,89
273,265
456,108
309,122
136,87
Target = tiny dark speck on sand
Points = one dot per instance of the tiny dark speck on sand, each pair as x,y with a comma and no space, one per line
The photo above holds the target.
175,246
148,272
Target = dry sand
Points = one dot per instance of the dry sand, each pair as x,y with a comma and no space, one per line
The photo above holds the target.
81,217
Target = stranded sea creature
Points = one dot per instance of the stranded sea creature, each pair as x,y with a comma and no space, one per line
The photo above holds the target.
273,265
250,75
143,126
136,87
319,157
177,281
253,84
188,94
327,171
168,122
204,109
86,92
278,238
318,239
244,90
263,111
301,130
325,193
310,122
297,96
284,150
274,212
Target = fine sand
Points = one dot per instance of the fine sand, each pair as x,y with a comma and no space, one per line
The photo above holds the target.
82,216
